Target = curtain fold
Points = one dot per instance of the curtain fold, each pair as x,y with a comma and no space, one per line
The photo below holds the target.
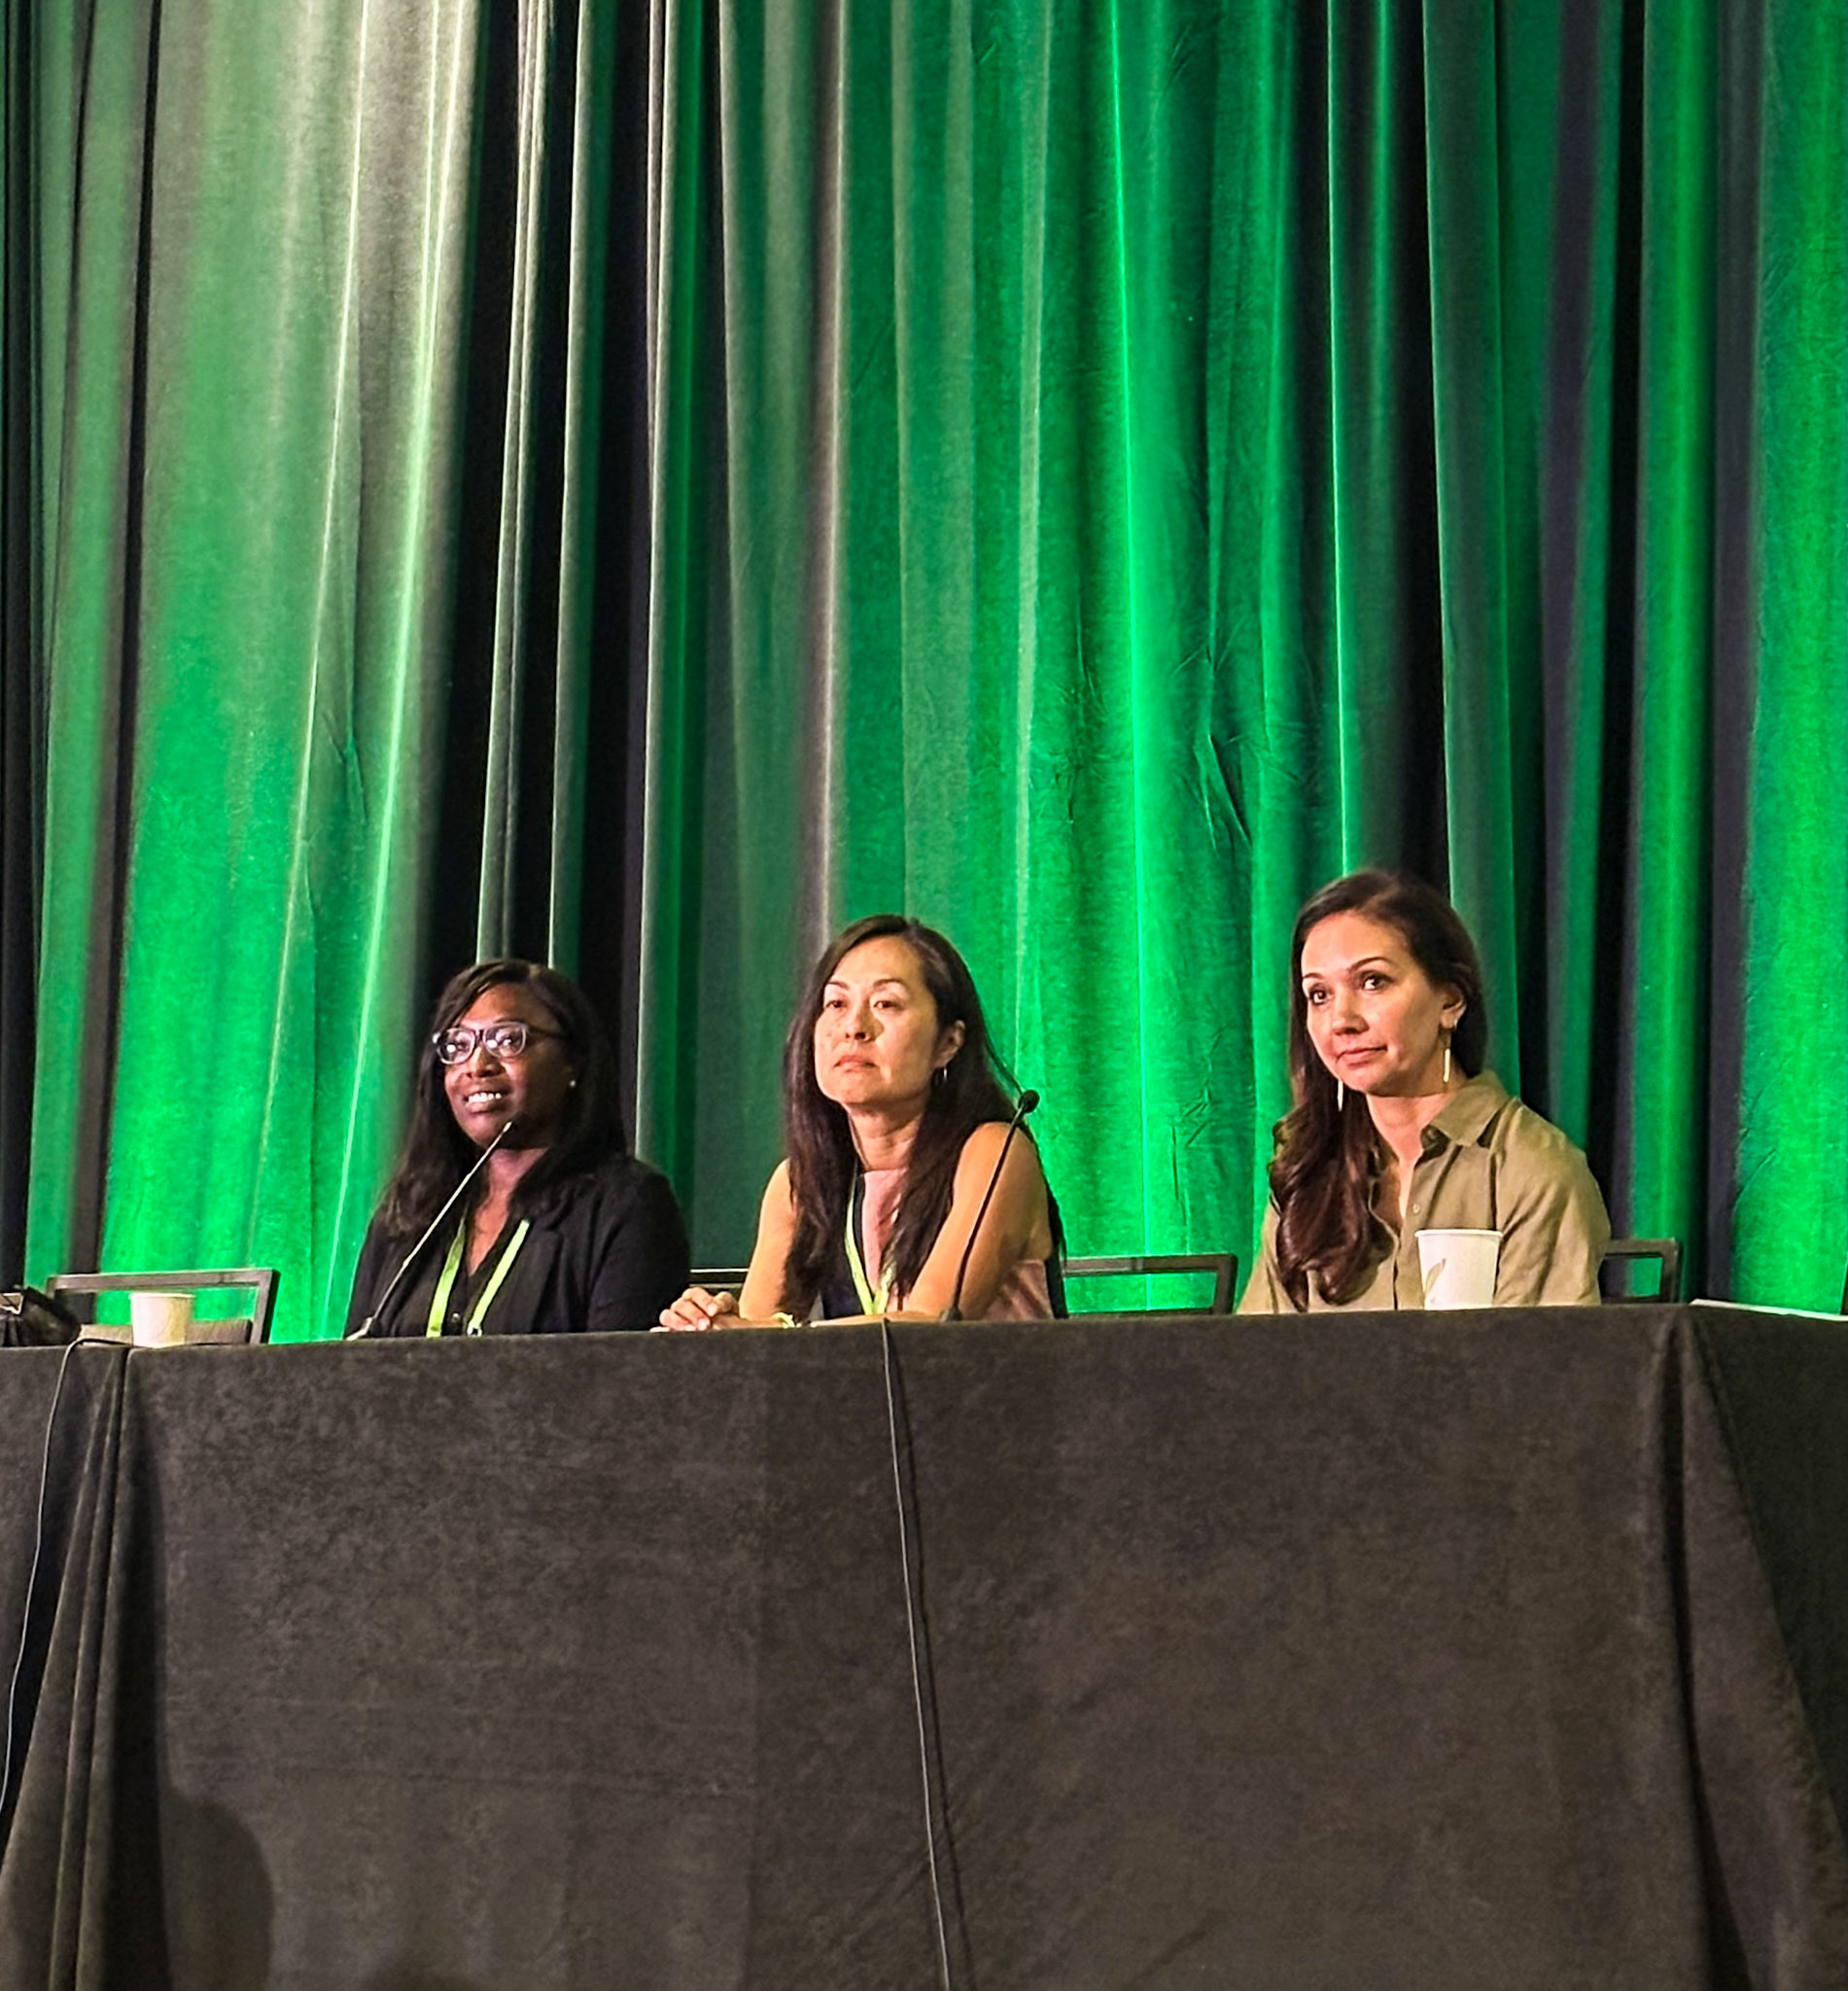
1778,1084
23,215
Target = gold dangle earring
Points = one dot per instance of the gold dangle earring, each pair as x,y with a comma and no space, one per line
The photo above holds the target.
1341,1096
1448,1035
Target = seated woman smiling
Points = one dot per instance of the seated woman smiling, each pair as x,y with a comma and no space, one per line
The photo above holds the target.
563,1230
1396,1128
894,1121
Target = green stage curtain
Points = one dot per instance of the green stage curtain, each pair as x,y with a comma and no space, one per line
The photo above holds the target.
1118,466
645,486
304,322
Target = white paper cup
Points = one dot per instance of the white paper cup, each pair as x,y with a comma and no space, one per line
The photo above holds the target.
160,1319
1458,1266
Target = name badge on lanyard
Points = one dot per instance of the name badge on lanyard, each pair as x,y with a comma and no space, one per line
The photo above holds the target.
869,1301
446,1281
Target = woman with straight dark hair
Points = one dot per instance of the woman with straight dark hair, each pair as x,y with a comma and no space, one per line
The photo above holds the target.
1396,1127
894,1121
563,1229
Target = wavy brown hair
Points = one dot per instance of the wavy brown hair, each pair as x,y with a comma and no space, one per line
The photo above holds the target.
1328,1161
436,1153
974,1087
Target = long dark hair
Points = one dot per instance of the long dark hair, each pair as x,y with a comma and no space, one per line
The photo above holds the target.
436,1153
1328,1156
823,1162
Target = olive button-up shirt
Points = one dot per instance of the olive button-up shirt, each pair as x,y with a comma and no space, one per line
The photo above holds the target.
1489,1165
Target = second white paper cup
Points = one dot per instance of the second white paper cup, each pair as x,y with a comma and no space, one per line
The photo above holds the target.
159,1319
1457,1267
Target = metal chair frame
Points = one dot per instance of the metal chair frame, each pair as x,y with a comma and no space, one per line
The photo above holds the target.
260,1280
1223,1265
1666,1249
719,1278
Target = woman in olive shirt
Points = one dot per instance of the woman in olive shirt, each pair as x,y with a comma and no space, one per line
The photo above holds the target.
1396,1127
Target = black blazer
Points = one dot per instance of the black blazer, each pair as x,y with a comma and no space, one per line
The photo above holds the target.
607,1250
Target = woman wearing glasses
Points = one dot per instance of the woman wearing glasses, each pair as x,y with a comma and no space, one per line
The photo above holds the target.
563,1229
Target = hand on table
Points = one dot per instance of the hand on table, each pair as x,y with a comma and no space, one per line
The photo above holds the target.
697,1310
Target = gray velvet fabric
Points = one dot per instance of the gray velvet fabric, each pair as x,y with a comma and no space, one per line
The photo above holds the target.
1399,1652
60,1478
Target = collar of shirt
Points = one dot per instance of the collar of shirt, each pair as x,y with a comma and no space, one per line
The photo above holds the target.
1467,1114
1447,1180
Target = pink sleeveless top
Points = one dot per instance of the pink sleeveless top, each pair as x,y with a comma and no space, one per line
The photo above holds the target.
1021,1294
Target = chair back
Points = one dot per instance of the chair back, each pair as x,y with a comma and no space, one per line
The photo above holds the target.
1625,1251
260,1280
1223,1265
719,1278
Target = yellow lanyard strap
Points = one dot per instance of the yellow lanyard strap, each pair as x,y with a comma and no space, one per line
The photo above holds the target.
869,1301
452,1265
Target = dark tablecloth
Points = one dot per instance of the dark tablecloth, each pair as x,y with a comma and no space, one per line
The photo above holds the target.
1468,1652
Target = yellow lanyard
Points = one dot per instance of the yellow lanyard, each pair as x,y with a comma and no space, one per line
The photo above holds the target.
445,1282
869,1301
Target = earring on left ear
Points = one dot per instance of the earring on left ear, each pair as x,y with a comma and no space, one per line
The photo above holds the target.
1448,1035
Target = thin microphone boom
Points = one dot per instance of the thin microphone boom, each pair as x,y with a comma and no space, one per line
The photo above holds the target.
1029,1100
479,1163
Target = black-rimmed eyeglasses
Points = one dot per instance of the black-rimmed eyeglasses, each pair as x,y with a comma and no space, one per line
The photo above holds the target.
458,1042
